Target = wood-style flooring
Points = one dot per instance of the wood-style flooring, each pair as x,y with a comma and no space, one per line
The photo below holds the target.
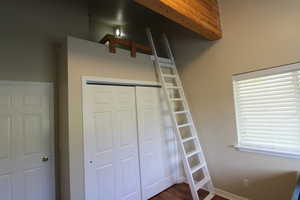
181,192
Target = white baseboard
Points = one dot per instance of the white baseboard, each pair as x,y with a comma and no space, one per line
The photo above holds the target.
219,192
229,195
181,179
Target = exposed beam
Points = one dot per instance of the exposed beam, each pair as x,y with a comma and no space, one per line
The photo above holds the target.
200,16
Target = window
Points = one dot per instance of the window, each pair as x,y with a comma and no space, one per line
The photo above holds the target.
267,106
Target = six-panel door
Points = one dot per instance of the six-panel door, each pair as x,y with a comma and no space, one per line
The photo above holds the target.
157,143
26,142
111,149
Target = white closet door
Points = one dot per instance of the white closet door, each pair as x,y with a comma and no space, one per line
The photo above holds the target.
158,152
111,146
26,142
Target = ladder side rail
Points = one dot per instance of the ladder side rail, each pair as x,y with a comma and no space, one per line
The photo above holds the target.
161,80
149,35
167,45
178,81
182,149
177,131
189,114
201,156
181,91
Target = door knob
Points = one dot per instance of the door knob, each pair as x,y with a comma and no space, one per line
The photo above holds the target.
45,158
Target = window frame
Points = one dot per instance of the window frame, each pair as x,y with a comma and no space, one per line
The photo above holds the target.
256,74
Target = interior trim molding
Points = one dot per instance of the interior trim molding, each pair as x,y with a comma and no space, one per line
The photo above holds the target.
101,80
219,192
26,82
229,195
181,179
267,152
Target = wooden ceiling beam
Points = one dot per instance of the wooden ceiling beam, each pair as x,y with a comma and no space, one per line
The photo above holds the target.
200,16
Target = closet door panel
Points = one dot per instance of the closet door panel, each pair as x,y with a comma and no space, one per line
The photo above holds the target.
126,124
157,143
105,182
111,149
104,168
6,187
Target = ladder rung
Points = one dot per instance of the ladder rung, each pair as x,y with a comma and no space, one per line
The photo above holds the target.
166,70
184,125
176,99
197,167
190,154
161,64
180,112
169,75
163,60
210,196
173,87
188,139
201,183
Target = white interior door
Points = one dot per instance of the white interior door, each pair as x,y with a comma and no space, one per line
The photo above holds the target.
26,141
158,148
111,144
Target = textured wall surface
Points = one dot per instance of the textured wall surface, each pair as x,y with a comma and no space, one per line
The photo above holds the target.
257,34
31,32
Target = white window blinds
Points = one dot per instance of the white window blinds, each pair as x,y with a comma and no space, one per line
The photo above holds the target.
268,109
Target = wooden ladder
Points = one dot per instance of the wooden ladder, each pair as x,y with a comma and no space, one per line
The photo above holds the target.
194,161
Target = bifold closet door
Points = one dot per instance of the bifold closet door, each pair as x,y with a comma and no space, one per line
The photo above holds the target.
111,143
157,143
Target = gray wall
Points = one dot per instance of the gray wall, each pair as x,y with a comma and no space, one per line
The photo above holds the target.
99,29
32,32
257,34
63,174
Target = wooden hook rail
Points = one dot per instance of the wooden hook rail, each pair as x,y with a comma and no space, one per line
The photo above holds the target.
132,46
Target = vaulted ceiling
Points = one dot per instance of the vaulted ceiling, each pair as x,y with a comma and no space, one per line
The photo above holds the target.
200,16
122,12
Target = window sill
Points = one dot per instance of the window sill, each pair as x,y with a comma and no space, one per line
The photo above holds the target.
267,152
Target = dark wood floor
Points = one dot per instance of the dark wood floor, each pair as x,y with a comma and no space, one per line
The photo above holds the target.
181,192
